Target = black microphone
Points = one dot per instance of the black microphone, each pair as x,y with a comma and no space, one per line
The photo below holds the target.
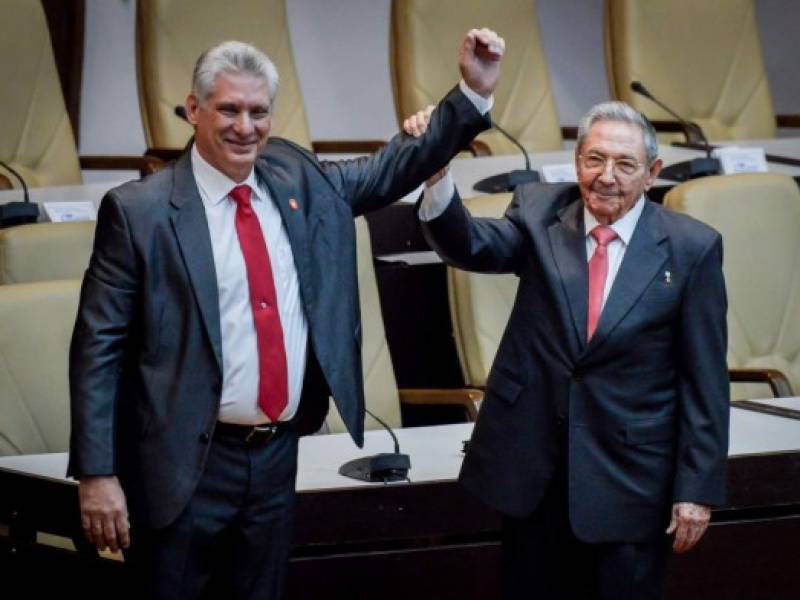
506,182
690,169
383,467
16,213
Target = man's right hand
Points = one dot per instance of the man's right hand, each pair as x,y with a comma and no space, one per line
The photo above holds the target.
104,512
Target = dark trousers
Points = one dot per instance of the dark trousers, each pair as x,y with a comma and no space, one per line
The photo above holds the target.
233,539
543,560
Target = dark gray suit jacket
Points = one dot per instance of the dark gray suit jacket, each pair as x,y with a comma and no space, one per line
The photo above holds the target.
146,360
640,413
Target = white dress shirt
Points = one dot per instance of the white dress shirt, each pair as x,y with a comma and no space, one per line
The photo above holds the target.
624,227
239,397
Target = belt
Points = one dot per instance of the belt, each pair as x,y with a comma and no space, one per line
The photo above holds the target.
253,435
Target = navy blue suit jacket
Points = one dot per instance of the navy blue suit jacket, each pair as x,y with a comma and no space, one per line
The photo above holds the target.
639,413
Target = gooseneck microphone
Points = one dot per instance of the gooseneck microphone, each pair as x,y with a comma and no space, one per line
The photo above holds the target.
506,182
16,213
383,467
690,169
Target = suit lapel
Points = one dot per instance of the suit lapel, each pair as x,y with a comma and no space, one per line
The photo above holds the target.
568,244
293,206
642,261
191,229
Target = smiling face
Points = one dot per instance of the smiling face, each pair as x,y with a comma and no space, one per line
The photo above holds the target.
608,192
232,125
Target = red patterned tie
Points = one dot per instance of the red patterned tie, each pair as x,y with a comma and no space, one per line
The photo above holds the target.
598,272
272,375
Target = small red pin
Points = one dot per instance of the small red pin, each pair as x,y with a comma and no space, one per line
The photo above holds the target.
293,204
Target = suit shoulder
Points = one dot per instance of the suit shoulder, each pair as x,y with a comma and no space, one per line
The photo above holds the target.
688,228
544,200
282,151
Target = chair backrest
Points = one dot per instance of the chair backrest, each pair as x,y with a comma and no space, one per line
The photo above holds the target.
425,37
36,136
480,304
171,35
758,216
45,251
702,59
36,321
380,385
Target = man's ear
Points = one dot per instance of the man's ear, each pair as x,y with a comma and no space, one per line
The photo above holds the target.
653,172
192,106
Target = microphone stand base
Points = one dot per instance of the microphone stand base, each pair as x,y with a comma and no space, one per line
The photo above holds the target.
378,468
691,169
506,182
17,213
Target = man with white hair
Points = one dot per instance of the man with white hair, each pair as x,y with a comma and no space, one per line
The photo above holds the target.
218,313
604,427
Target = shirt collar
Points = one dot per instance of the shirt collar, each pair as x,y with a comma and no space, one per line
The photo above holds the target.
215,184
623,227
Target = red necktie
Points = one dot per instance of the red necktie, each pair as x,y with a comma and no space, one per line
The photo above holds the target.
598,272
273,384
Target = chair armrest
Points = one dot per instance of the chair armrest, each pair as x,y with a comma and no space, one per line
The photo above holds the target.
691,131
164,154
478,148
777,381
468,398
144,164
5,184
347,146
787,120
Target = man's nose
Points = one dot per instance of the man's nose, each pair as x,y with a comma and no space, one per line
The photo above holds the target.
243,124
607,174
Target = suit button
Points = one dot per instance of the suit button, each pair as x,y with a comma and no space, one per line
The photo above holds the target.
204,437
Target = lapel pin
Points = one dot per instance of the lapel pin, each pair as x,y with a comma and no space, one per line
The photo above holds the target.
293,204
667,276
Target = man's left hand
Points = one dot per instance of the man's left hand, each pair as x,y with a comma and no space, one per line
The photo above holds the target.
689,522
479,60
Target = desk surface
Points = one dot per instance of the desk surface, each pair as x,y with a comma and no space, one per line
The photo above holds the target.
436,451
465,171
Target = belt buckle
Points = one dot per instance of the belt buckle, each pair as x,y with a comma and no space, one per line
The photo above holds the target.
268,430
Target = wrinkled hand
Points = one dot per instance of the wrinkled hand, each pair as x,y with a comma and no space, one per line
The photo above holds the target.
689,522
416,125
104,513
479,60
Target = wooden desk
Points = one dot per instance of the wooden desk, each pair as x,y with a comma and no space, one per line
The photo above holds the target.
428,538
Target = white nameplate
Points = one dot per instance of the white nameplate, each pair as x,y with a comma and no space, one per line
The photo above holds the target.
737,159
62,212
559,173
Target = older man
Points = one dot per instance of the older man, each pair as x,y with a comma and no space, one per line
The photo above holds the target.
219,311
605,423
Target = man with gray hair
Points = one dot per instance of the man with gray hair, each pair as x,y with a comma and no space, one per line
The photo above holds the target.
604,428
219,312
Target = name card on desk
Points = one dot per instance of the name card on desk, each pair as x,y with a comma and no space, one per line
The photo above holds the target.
737,159
559,173
62,212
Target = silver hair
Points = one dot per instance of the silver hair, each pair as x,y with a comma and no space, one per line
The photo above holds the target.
622,113
232,57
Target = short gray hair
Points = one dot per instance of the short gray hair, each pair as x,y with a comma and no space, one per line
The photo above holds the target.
232,57
622,113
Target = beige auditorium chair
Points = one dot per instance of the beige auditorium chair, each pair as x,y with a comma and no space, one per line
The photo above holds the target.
36,321
45,251
380,386
758,216
702,59
480,304
171,34
36,137
425,35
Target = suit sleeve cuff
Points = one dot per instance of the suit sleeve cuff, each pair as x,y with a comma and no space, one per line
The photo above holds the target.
436,198
483,105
